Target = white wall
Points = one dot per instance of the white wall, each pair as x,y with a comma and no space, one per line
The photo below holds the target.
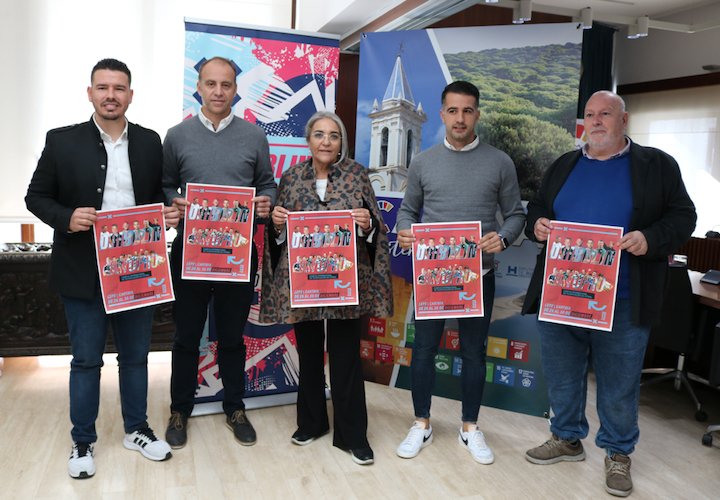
50,46
667,54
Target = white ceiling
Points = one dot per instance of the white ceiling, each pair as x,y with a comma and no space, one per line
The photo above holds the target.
630,8
345,17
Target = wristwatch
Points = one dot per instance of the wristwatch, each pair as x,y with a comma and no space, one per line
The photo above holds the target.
504,241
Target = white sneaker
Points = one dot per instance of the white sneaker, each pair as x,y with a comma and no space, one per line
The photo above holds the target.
146,442
417,439
474,441
81,464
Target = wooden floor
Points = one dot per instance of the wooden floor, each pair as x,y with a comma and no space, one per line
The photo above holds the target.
669,462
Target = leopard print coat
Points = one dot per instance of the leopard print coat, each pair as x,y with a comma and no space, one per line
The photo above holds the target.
348,187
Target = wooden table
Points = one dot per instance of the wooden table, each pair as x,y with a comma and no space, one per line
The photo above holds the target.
707,295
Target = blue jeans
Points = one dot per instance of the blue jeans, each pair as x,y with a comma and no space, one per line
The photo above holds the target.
473,346
617,358
88,325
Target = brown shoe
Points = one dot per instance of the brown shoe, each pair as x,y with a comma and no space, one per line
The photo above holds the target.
556,450
617,475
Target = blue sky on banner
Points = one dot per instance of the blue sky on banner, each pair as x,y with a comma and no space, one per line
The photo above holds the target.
378,52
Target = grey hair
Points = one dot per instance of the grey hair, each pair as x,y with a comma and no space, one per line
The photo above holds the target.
319,115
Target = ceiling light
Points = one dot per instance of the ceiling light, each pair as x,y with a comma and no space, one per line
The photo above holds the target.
632,31
525,10
587,18
642,25
516,16
491,1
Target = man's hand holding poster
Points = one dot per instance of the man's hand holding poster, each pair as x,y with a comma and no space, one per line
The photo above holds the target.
581,271
447,270
132,257
218,233
322,253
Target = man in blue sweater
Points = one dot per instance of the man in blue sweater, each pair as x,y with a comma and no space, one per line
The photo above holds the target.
643,192
461,179
214,147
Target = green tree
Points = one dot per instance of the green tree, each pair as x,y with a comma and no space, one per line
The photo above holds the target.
532,144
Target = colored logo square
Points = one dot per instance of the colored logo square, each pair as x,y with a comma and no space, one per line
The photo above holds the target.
394,329
526,379
504,375
443,363
489,370
383,352
519,351
377,327
452,340
402,355
367,349
410,332
457,366
496,347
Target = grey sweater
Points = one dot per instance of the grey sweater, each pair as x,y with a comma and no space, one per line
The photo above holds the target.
238,155
451,186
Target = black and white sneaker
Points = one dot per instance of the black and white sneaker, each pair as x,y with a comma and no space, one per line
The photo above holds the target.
81,464
146,442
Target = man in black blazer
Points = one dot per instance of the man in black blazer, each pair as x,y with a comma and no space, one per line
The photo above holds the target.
106,163
643,192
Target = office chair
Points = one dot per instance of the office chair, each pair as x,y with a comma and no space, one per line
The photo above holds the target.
676,332
714,382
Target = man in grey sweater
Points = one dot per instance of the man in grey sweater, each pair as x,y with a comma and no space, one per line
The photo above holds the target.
459,180
214,147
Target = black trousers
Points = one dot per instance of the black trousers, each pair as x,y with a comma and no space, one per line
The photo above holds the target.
231,307
346,382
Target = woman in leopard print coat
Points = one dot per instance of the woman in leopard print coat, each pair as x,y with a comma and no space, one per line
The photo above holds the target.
329,181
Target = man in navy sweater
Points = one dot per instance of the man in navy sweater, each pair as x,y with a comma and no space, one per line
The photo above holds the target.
645,194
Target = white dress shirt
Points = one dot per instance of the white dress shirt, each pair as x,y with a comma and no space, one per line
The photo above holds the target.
118,192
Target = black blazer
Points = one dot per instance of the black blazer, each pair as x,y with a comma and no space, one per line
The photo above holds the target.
70,174
662,210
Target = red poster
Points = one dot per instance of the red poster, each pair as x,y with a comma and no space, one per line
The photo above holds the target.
218,233
323,259
132,257
581,273
447,270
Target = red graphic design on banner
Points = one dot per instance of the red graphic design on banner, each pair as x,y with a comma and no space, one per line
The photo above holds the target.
218,233
581,271
384,353
132,257
452,339
447,270
519,351
323,259
376,326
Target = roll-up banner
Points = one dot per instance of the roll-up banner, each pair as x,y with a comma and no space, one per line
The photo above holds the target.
283,77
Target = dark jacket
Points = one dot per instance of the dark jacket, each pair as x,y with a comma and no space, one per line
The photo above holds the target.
70,174
662,211
348,187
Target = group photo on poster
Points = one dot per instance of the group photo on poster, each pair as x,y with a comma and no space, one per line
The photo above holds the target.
219,226
132,257
446,267
322,257
583,265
